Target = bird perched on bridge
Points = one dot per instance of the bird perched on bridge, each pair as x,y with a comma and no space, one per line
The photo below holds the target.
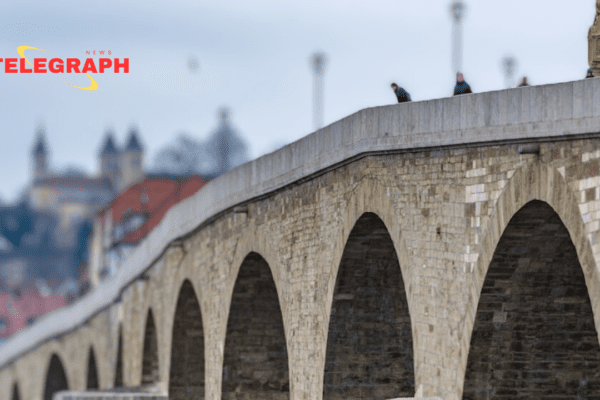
461,87
524,82
590,73
402,95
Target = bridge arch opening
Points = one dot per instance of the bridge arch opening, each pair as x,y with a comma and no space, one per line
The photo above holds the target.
150,356
15,392
186,376
56,378
119,366
255,361
534,334
369,345
92,372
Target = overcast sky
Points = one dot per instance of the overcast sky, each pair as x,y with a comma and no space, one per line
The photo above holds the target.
253,57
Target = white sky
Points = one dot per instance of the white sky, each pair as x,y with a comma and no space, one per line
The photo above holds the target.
254,58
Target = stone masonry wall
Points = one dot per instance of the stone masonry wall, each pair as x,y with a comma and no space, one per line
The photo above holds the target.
187,354
150,366
255,363
445,211
369,344
92,372
119,362
534,334
56,379
15,392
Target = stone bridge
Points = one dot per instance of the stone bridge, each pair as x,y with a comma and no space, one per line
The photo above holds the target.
444,248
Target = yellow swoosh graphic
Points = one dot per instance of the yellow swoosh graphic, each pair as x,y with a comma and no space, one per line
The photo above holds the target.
93,86
21,51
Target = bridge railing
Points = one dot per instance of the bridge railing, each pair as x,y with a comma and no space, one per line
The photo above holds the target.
519,115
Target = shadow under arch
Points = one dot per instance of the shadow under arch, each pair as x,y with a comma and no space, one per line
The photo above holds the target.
255,360
15,392
369,344
119,361
534,334
186,375
150,365
56,378
92,371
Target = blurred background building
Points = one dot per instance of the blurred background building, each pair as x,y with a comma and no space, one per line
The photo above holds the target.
180,170
75,196
70,230
44,238
131,216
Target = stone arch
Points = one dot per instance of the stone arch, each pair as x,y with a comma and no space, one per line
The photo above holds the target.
534,333
371,196
369,345
186,375
255,360
15,392
56,378
92,371
119,361
529,182
150,365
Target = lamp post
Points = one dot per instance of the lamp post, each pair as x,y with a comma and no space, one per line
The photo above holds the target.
457,12
318,61
509,66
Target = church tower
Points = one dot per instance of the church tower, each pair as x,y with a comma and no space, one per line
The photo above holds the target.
39,156
227,148
594,42
109,160
132,159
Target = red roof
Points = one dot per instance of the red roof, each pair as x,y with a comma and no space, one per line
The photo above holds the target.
162,194
16,311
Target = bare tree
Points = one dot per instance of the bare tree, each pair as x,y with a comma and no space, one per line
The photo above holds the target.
186,156
223,150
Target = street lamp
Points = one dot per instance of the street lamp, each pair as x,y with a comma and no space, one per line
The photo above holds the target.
457,12
318,61
509,66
